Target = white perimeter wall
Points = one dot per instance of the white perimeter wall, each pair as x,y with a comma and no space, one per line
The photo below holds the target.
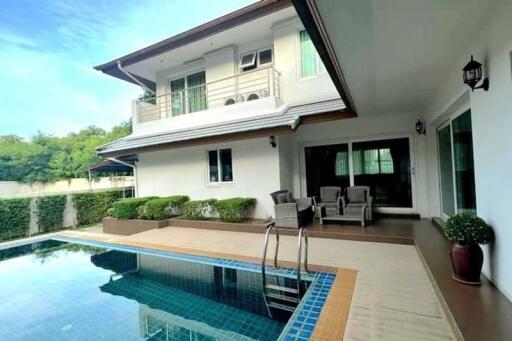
492,137
185,171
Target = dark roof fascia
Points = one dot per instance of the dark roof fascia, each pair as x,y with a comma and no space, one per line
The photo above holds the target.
210,28
312,21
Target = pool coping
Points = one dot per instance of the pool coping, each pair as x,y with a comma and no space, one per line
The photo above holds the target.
321,314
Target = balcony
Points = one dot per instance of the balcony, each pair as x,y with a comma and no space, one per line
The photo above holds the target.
246,87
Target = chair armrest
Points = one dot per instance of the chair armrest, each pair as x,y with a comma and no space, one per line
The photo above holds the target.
316,200
343,201
370,201
286,208
305,201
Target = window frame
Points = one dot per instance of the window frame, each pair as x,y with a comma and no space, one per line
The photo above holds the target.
256,62
219,166
318,60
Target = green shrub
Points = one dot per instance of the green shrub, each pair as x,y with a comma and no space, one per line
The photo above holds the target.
198,209
129,208
163,208
91,207
468,229
233,210
14,218
50,212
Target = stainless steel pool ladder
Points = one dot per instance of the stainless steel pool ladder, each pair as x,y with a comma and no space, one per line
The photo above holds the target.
277,296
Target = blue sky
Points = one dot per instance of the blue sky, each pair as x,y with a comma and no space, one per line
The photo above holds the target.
48,49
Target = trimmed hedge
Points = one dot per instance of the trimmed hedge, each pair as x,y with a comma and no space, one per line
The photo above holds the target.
14,218
163,208
50,212
91,207
232,210
198,209
129,208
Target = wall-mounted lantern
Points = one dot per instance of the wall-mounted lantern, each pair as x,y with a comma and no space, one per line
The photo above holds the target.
420,128
472,75
272,140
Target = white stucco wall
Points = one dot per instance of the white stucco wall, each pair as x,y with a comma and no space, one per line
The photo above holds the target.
492,140
185,171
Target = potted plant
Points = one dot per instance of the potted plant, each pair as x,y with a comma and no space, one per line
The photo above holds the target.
467,232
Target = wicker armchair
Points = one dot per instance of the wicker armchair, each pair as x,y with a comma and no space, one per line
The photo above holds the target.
356,197
290,212
330,199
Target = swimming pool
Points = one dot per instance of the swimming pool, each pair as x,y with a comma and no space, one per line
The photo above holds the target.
70,289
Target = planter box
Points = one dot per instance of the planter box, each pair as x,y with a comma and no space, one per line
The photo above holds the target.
132,226
249,226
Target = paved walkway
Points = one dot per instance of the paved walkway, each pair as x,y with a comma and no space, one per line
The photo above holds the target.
393,298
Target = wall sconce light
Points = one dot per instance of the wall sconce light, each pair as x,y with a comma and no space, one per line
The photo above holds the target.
272,140
420,128
472,74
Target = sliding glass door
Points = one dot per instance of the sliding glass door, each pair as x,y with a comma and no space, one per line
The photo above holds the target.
326,166
456,166
383,165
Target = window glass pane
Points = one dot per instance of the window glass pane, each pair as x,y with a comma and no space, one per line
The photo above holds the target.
248,59
265,56
320,66
463,161
177,86
385,167
444,141
226,169
326,166
196,91
213,166
307,55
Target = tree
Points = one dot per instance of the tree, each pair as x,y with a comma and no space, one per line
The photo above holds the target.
47,158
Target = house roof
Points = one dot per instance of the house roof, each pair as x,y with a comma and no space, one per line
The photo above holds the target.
230,20
107,166
279,123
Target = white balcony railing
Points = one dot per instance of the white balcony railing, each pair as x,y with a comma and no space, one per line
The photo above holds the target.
248,86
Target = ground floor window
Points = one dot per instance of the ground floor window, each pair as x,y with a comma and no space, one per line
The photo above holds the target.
220,165
456,166
383,165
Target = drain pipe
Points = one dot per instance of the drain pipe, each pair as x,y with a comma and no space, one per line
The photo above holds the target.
135,184
133,78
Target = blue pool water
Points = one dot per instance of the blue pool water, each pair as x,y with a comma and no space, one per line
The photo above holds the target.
55,290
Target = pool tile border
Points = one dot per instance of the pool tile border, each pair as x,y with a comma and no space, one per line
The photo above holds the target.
322,313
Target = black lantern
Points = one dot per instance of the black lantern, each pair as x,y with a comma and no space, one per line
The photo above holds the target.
272,140
420,128
472,74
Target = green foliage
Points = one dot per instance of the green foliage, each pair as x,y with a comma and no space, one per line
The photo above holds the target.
147,97
129,208
14,218
91,207
232,210
163,208
50,212
198,209
468,229
47,158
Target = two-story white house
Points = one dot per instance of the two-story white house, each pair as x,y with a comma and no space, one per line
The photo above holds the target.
243,106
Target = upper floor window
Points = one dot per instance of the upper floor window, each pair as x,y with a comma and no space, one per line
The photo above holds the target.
310,62
255,59
220,165
188,94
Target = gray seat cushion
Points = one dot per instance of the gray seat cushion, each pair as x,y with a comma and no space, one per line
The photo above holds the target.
329,195
302,208
356,195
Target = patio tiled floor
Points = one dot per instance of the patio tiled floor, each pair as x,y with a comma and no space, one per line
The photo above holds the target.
393,298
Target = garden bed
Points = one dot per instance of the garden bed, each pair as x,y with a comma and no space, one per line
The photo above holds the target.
127,227
215,224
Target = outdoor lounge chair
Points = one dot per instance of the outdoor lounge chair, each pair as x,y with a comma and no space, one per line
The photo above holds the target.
290,212
356,197
330,199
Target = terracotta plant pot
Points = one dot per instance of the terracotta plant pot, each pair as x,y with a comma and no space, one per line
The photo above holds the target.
467,261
